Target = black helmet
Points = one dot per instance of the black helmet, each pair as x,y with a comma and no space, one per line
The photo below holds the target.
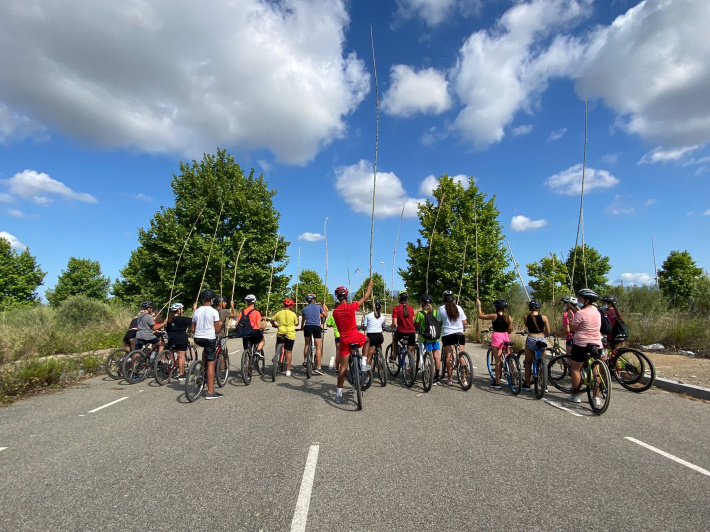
310,297
403,296
426,298
378,303
609,299
448,295
589,295
207,295
534,305
500,304
146,305
217,300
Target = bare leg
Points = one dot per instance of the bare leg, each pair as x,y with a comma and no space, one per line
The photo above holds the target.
210,376
528,366
319,351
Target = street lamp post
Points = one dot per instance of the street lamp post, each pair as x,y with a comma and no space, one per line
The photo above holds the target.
384,289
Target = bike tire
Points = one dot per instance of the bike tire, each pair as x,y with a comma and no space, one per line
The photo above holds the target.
409,374
427,371
113,363
309,362
135,371
558,373
465,371
633,370
195,380
356,383
491,363
247,366
515,379
276,366
378,362
221,369
392,365
259,363
540,380
163,367
603,387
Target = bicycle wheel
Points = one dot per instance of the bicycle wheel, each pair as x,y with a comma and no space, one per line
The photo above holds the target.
427,371
163,367
464,370
113,363
599,390
356,380
309,362
491,363
259,362
558,373
378,363
195,380
515,380
391,360
409,370
540,379
247,366
633,370
276,366
135,370
221,368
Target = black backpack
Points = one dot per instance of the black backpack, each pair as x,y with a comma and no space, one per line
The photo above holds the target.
620,332
244,327
606,327
431,328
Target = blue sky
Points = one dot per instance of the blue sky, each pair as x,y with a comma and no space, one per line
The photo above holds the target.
99,103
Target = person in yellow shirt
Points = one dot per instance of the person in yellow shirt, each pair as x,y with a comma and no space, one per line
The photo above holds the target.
286,320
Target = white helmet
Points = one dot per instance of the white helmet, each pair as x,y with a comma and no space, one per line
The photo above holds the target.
176,306
251,298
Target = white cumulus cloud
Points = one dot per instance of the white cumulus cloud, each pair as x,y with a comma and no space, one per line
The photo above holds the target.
434,12
569,182
661,155
636,279
311,237
35,185
412,92
429,184
523,223
14,241
183,76
354,184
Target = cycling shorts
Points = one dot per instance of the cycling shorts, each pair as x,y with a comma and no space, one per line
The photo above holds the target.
141,343
178,347
312,330
130,335
498,339
210,348
410,337
288,344
453,339
580,353
376,339
254,338
355,338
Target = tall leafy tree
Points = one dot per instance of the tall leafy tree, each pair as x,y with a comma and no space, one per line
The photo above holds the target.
309,282
239,206
548,276
597,269
82,276
379,290
20,276
455,230
677,276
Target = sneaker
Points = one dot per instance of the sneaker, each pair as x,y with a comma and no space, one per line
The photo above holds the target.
288,372
338,399
317,371
366,366
260,354
181,378
215,395
451,383
526,388
495,385
574,398
598,402
464,382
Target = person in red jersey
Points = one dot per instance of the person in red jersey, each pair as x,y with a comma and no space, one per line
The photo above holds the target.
344,316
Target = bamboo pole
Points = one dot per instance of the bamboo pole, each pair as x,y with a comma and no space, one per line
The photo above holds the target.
463,270
166,304
325,236
271,278
655,268
177,264
581,200
394,253
478,295
553,277
236,263
377,138
517,270
431,241
209,255
221,275
347,264
298,275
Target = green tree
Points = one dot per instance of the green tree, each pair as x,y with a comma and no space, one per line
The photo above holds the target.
379,291
217,188
700,296
82,277
456,231
309,282
20,276
677,276
549,278
596,265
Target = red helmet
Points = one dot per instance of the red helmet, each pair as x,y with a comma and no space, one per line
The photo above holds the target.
341,292
288,303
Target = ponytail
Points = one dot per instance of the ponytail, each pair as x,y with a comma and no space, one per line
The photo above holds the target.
452,310
405,310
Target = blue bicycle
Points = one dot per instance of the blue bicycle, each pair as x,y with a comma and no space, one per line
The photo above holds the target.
404,361
538,373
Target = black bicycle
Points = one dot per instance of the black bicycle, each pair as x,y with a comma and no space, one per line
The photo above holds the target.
355,374
167,363
196,375
279,360
425,362
403,361
538,371
251,361
139,362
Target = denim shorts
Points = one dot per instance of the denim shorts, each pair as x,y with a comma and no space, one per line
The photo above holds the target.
531,342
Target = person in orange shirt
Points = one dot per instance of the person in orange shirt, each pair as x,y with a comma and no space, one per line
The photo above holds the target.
256,337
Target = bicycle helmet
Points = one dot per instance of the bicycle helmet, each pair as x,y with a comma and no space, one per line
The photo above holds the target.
176,306
146,305
207,295
448,295
426,298
251,298
341,292
378,304
589,295
534,305
500,304
217,301
403,296
288,303
572,300
609,299
310,297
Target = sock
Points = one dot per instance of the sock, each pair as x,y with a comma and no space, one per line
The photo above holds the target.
339,392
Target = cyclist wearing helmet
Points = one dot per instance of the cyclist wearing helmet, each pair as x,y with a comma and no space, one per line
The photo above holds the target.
256,336
344,316
373,323
538,327
429,345
403,323
286,321
585,325
613,314
571,306
311,324
220,305
502,327
205,326
176,327
146,325
453,320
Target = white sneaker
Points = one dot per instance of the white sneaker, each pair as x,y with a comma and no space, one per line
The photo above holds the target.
288,372
598,402
574,398
366,366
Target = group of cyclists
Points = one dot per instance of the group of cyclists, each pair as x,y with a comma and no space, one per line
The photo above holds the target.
438,329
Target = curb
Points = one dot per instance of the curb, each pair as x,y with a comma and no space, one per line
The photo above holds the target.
698,392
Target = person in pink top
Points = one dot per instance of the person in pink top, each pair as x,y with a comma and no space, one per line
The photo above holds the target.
587,339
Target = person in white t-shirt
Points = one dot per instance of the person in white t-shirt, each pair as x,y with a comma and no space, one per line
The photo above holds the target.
453,320
373,323
205,326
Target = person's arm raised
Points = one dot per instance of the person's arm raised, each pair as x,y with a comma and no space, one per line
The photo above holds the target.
367,293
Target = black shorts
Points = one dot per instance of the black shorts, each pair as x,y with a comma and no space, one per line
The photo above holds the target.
254,338
453,339
411,337
210,346
130,335
314,330
376,339
580,353
288,344
141,343
178,347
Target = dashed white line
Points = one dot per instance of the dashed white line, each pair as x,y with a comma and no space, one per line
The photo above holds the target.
109,404
3,448
331,365
668,455
558,405
300,516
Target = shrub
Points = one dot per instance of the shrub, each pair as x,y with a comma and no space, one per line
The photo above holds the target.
79,311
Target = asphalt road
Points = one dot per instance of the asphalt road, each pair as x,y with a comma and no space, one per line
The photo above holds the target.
444,460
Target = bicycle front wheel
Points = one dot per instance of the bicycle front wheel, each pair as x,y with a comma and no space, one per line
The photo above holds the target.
391,359
276,366
356,380
221,370
540,379
514,378
427,370
633,370
378,363
409,371
163,367
491,363
247,366
135,367
113,363
464,370
195,380
309,362
558,373
599,390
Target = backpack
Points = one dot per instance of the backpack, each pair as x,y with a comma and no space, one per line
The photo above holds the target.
244,327
431,328
620,332
606,327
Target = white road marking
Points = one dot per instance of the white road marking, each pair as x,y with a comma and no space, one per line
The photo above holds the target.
111,403
668,455
331,365
300,516
558,405
3,448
